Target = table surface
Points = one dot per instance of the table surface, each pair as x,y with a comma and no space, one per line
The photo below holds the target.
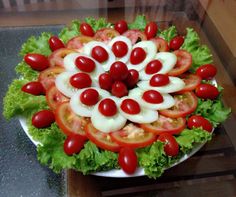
210,172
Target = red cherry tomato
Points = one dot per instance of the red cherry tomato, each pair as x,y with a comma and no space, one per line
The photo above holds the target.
55,43
107,107
171,146
36,61
86,29
119,89
119,48
132,78
159,80
137,55
207,91
130,106
89,97
207,71
153,67
34,87
199,121
127,160
43,119
99,54
176,42
121,26
81,80
151,30
73,144
105,81
85,64
119,71
152,96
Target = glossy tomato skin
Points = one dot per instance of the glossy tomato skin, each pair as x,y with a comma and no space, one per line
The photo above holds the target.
137,55
176,42
158,80
151,30
99,54
73,144
105,81
34,88
43,119
86,29
128,160
107,107
119,89
119,71
120,49
36,61
121,26
199,121
207,71
81,80
55,43
132,78
207,91
171,146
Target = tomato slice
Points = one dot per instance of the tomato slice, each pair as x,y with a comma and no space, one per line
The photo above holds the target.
47,77
161,44
184,62
133,136
185,104
54,97
69,122
101,139
106,34
56,57
191,82
78,42
165,124
135,35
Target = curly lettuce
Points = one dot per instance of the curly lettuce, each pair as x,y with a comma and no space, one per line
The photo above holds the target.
97,24
169,33
69,32
139,23
25,71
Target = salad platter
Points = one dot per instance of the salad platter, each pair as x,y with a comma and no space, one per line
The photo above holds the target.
116,100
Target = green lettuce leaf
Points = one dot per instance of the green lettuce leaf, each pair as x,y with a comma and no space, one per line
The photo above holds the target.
25,71
69,32
97,24
139,23
169,33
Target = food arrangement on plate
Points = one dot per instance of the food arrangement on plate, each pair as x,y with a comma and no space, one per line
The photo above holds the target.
100,98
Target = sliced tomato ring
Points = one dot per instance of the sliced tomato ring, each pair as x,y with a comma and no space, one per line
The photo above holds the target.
48,76
54,97
135,35
161,44
56,57
133,136
101,139
184,62
106,34
165,124
185,104
78,42
191,82
69,122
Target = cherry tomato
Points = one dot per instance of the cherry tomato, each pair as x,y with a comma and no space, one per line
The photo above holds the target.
85,64
106,34
191,82
34,87
176,42
135,35
132,78
119,71
153,67
152,96
89,97
199,121
161,44
86,29
159,80
130,106
207,91
127,160
56,59
119,89
81,80
55,43
107,107
78,42
73,144
105,81
137,55
121,26
207,71
36,61
119,48
151,30
171,146
99,54
43,119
